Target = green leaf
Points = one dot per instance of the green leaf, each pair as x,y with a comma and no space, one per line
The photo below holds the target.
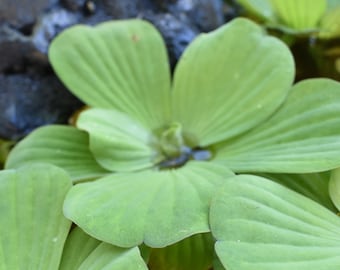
63,146
311,185
330,24
259,8
157,207
301,137
78,247
32,226
119,65
224,86
262,225
118,142
334,187
195,252
301,14
108,257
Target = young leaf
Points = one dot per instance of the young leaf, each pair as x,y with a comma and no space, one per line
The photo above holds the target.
238,82
78,247
32,226
311,185
195,252
334,187
262,225
157,207
301,137
63,146
118,142
119,65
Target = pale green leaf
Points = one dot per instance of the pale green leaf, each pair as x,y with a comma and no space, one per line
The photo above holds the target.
120,65
32,226
118,142
224,85
78,247
300,14
259,8
311,185
108,257
157,207
63,146
195,252
301,137
262,225
334,187
330,24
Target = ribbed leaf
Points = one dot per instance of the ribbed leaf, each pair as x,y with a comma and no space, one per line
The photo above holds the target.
262,225
260,8
224,85
301,137
32,226
311,185
330,24
78,247
334,187
118,142
121,65
157,207
63,146
195,252
300,14
108,257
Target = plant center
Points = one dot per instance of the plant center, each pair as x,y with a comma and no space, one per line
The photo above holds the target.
178,148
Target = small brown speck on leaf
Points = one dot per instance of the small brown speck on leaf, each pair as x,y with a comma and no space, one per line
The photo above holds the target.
135,38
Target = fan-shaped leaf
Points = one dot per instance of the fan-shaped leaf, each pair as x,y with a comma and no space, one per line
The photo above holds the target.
262,225
157,207
32,226
334,187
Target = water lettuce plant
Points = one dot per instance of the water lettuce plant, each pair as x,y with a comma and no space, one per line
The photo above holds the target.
149,155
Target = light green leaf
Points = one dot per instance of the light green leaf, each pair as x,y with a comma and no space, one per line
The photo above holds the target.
300,14
157,207
195,252
224,85
330,24
334,187
118,142
32,226
63,146
311,185
259,8
120,65
108,257
78,247
262,225
301,137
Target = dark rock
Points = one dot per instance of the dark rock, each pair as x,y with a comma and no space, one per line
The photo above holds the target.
28,102
176,33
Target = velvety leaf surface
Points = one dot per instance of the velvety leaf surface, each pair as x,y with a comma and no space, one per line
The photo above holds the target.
157,207
120,65
262,225
195,252
301,14
78,247
118,142
301,137
32,226
63,146
224,85
108,257
334,188
311,185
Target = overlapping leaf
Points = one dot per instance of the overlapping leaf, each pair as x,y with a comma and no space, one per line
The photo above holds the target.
118,142
157,207
32,226
121,65
334,187
230,84
262,225
63,146
301,137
